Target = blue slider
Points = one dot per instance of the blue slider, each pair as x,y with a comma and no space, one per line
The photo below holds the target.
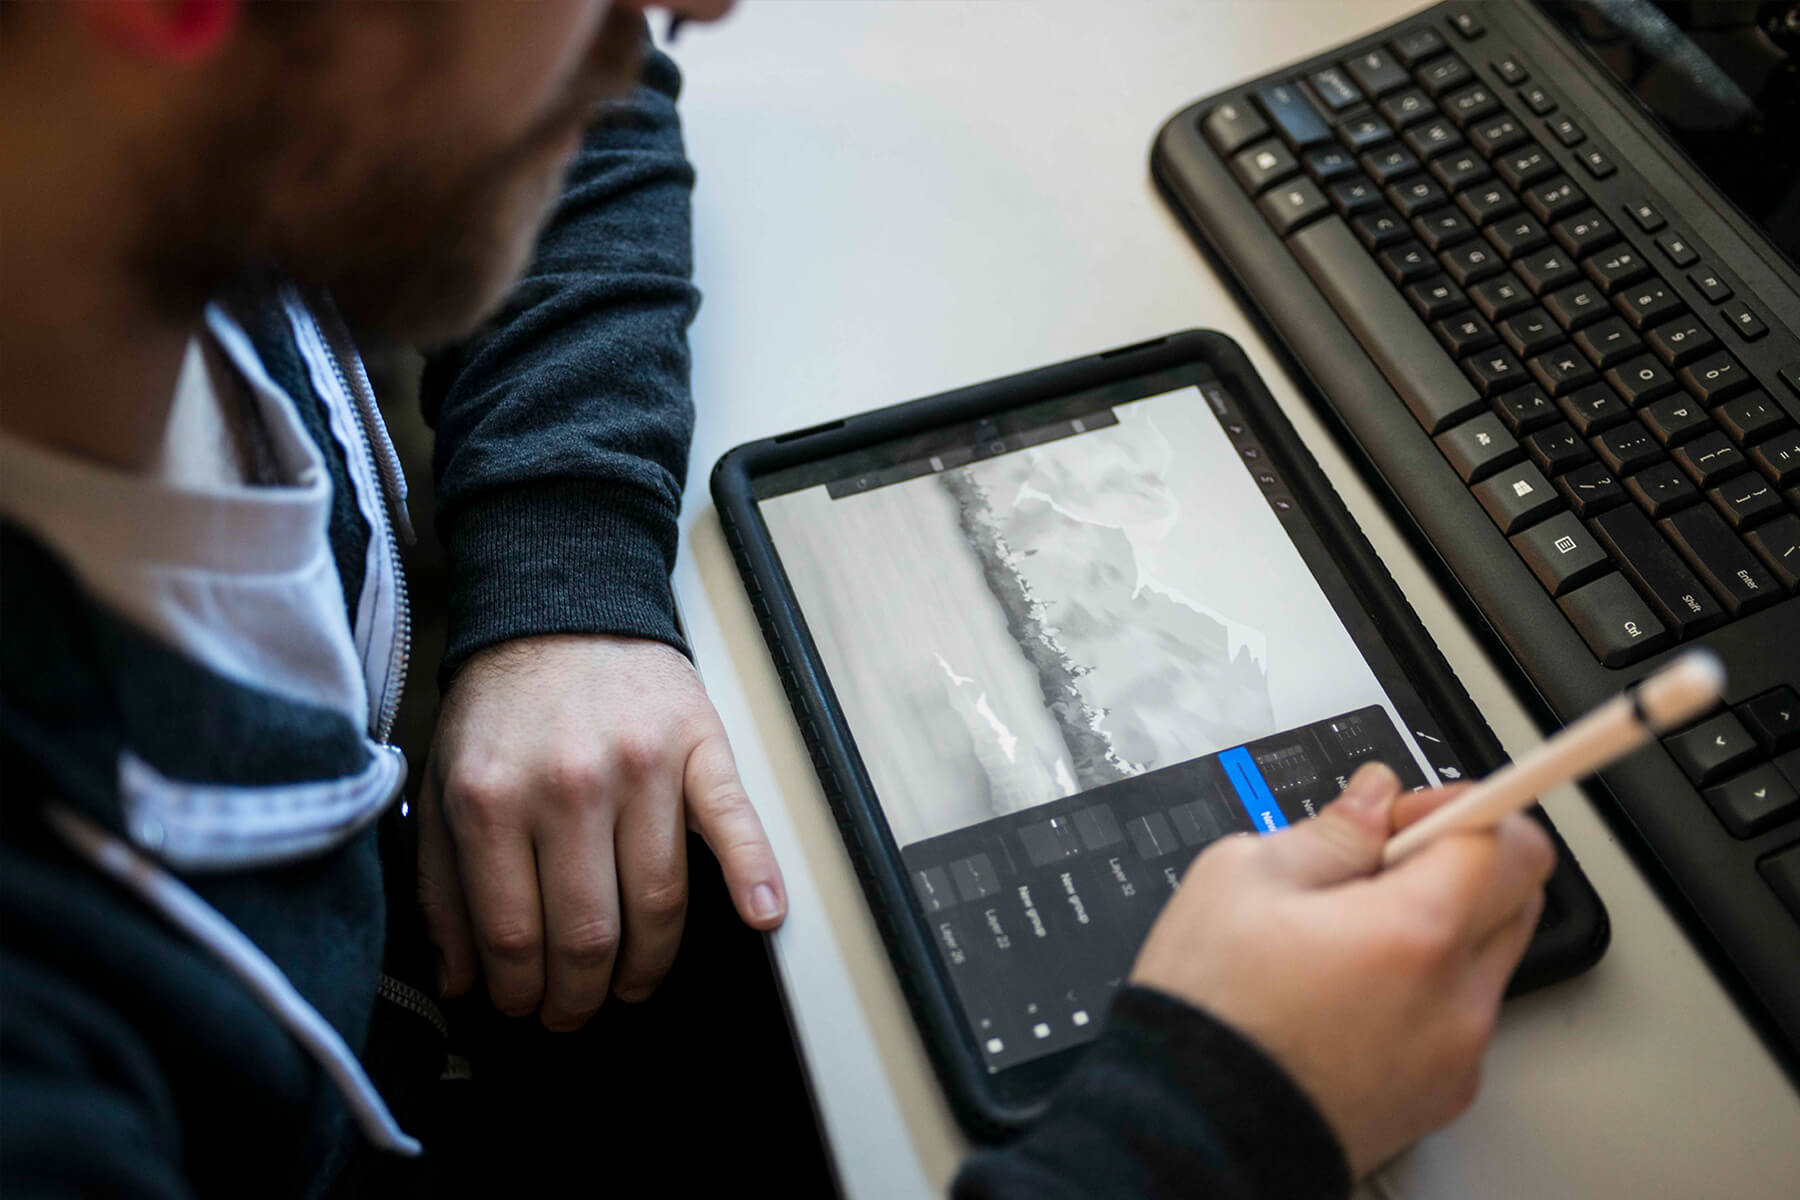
1253,791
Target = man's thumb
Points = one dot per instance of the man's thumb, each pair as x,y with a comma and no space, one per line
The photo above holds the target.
1344,841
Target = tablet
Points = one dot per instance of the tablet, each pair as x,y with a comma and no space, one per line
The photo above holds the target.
1049,637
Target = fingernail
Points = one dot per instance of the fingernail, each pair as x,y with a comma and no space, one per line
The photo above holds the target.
763,904
1371,787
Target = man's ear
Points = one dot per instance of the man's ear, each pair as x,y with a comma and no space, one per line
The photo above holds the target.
171,31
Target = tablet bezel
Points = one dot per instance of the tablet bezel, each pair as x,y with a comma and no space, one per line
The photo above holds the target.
991,1105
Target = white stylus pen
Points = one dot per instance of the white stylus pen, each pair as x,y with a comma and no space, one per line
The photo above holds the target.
1673,696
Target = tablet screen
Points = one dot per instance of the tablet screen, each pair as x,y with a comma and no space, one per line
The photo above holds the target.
1074,644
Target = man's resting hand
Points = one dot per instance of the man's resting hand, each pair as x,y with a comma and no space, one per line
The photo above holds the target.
552,848
1376,990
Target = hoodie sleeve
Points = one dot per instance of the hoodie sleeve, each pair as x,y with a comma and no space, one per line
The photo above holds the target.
1169,1102
563,426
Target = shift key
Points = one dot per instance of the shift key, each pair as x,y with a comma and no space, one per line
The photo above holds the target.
1649,562
1711,548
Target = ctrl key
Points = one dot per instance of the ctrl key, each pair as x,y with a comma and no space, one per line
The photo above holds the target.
1614,621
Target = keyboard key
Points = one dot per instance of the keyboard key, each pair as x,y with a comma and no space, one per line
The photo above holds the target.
1472,262
1359,133
1747,501
1415,194
1585,232
1403,108
1444,74
1661,488
1233,125
1575,306
1516,497
1554,198
1406,262
1715,290
1426,378
1702,538
1627,448
1433,137
1649,303
1594,408
1525,408
1292,115
1773,719
1665,581
1681,252
1781,871
1646,216
1561,553
1493,371
1464,334
1377,72
1496,134
1530,332
1334,88
1562,370
1478,447
1641,380
1487,203
1328,163
1715,748
1291,205
1352,196
1382,227
1740,317
1754,802
1510,72
1681,340
1546,269
1261,166
1465,22
1389,163
1614,621
1715,378
1518,235
1443,228
1525,166
1565,130
1616,268
1500,297
1778,458
1538,100
1750,417
1415,46
1590,489
1608,342
1777,543
1470,104
1435,297
1598,163
1557,449
1676,419
1459,169
1710,459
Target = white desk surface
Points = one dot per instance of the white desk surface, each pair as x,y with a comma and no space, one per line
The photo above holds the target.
899,198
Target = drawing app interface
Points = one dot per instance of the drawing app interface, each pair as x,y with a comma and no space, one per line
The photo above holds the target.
1073,646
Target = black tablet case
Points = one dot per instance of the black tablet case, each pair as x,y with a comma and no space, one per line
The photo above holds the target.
1575,930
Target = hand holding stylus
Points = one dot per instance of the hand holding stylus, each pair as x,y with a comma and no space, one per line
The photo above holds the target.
1673,696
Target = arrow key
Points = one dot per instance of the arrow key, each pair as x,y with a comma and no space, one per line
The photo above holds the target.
1714,749
1773,718
1755,801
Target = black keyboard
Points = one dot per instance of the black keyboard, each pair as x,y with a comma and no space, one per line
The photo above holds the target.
1575,375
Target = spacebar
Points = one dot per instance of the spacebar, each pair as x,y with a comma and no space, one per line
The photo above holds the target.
1392,334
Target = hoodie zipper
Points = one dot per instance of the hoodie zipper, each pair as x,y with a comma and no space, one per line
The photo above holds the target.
385,465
